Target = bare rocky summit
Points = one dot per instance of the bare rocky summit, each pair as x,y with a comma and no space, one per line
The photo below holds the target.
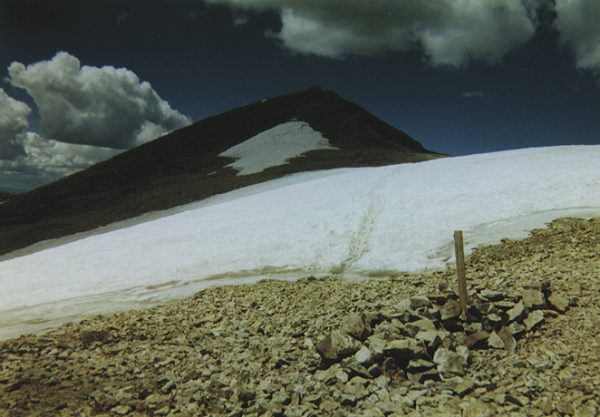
395,346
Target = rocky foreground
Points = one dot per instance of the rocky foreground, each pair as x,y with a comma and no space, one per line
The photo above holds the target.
395,346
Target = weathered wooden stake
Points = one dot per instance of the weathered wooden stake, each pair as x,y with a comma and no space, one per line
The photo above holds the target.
460,269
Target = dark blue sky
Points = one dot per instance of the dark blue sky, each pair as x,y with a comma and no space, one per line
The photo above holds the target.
201,63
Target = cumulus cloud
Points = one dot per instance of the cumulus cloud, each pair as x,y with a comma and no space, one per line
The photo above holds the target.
88,105
449,32
577,22
13,122
44,160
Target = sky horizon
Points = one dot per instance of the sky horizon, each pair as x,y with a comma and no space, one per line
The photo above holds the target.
83,82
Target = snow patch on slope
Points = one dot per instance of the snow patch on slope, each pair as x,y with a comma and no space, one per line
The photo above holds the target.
355,222
275,147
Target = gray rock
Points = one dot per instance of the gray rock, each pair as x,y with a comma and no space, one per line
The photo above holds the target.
533,299
558,303
491,295
479,409
534,319
507,339
419,365
476,338
516,329
449,362
517,313
423,325
432,338
494,341
376,346
121,410
88,337
356,326
364,356
405,348
450,310
404,305
336,346
418,301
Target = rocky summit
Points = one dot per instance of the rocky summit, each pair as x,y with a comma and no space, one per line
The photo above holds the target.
393,346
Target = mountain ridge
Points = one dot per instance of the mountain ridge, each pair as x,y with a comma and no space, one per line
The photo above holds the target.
185,166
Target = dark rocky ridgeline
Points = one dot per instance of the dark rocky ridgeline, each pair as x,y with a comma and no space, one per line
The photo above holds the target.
5,197
184,166
398,346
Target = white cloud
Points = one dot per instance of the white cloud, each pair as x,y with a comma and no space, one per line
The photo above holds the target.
13,121
577,22
450,32
88,105
44,160
87,115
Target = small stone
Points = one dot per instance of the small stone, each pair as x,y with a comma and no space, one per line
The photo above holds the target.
336,346
475,339
463,388
376,346
507,339
419,365
418,301
162,411
533,299
495,341
450,310
504,305
494,319
423,325
479,409
558,303
492,295
516,329
516,313
357,327
449,362
404,305
533,319
121,410
432,338
412,396
586,410
155,398
88,337
364,356
328,406
406,348
565,407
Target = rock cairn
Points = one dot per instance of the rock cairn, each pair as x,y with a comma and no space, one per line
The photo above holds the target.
428,337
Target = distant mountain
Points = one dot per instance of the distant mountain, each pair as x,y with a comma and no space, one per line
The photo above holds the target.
218,154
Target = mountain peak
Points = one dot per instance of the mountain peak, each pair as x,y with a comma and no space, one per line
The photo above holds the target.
193,163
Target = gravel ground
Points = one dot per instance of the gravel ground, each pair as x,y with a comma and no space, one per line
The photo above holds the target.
310,348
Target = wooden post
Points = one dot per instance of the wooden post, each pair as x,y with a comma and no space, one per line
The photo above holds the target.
460,269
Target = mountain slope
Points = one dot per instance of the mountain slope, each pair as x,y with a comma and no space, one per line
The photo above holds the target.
349,222
185,166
